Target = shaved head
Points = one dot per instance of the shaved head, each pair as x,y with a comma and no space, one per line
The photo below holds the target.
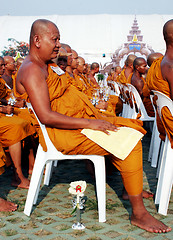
138,62
153,56
40,27
81,60
67,47
130,59
94,65
81,64
19,60
168,32
7,59
74,63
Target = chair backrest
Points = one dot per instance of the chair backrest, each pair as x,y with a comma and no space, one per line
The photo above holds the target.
48,142
139,103
124,95
163,101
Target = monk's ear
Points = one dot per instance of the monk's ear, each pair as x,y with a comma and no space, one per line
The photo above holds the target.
37,41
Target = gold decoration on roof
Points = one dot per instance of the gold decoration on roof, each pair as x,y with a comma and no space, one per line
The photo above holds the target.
135,39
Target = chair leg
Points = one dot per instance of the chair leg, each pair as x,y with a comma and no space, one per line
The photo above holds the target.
38,188
161,154
160,175
48,172
99,165
152,142
35,182
156,147
166,174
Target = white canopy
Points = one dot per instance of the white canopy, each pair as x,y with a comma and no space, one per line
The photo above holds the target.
90,35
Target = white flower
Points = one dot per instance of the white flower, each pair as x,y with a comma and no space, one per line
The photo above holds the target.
77,188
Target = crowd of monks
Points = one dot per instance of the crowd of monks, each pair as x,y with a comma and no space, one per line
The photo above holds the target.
61,86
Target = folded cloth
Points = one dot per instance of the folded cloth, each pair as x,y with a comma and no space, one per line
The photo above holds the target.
119,143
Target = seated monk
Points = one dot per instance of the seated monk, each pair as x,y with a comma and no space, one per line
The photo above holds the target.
66,111
160,78
136,79
12,131
128,69
94,69
8,93
87,70
114,101
83,85
114,73
153,56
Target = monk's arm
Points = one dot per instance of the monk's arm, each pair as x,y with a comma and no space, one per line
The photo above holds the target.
167,73
36,87
6,109
139,86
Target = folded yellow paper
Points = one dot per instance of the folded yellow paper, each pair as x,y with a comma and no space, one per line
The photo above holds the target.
119,143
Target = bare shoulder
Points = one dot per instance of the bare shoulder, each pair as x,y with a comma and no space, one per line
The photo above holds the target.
166,67
30,74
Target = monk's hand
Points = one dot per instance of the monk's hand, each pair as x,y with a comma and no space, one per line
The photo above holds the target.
102,125
20,103
7,109
102,105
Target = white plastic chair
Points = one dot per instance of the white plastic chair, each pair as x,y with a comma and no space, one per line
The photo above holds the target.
165,180
155,145
124,95
52,154
139,104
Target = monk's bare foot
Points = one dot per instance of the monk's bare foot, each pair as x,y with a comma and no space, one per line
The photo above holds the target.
22,183
149,223
6,206
145,194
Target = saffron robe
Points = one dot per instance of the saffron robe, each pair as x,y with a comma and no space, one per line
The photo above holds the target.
67,100
122,78
156,82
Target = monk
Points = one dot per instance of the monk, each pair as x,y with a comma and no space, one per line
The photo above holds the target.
8,80
86,70
123,77
153,56
10,68
160,78
12,131
91,77
81,82
115,73
136,79
19,62
61,59
66,111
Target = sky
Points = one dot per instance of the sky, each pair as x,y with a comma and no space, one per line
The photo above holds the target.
82,7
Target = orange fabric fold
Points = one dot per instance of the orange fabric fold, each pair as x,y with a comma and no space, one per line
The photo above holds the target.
156,82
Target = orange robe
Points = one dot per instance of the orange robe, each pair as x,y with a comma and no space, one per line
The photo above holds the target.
5,92
146,97
67,100
82,84
115,104
122,78
156,82
13,129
